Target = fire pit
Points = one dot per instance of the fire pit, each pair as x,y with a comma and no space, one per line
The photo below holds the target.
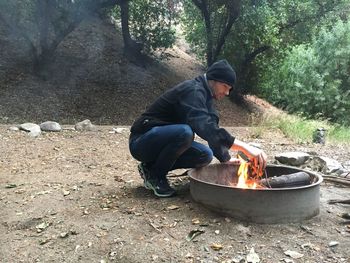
214,187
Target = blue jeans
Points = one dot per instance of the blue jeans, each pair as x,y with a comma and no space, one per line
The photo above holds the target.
169,147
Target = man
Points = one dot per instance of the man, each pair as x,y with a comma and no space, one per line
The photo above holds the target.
162,138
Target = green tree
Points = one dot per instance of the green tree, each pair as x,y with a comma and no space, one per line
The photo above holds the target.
148,23
314,79
262,34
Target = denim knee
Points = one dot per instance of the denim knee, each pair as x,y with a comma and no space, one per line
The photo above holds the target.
205,158
187,135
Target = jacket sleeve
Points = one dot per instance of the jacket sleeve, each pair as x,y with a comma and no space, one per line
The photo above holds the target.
204,124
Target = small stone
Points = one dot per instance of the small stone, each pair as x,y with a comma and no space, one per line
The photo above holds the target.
63,234
293,254
216,246
217,232
120,130
333,244
43,241
41,227
173,207
252,257
195,221
13,128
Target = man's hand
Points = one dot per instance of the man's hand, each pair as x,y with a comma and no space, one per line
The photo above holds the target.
256,155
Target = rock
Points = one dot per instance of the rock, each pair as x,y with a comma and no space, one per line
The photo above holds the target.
252,257
120,130
63,234
13,128
287,260
292,158
293,254
327,165
85,125
33,129
333,243
319,136
50,126
238,259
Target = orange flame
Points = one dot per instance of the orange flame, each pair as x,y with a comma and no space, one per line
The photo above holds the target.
243,178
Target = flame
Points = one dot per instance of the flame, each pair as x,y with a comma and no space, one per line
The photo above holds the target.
243,177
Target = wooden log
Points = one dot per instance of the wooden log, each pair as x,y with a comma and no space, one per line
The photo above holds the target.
287,180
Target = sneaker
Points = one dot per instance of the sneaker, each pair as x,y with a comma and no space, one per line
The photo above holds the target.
144,173
160,187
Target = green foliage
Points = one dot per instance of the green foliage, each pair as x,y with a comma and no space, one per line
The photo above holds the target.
194,29
152,23
263,33
314,79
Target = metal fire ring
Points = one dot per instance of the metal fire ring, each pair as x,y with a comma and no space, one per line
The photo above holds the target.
210,186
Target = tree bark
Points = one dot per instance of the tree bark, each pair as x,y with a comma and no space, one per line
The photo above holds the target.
232,7
202,5
131,48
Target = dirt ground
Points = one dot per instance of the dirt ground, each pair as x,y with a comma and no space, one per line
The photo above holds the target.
77,197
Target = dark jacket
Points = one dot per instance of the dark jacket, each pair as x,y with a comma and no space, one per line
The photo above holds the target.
191,103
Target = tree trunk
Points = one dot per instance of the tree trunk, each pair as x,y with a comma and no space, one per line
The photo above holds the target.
202,5
131,47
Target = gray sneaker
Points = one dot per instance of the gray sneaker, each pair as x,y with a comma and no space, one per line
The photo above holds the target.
160,187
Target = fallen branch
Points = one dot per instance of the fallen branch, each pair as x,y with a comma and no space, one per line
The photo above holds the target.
335,179
339,201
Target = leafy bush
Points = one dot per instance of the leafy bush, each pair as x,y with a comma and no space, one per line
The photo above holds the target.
314,79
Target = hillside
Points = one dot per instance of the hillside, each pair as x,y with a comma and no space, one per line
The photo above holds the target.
91,79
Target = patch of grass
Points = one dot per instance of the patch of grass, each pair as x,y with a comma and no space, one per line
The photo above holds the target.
302,130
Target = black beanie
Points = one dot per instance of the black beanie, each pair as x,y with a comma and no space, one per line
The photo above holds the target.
222,71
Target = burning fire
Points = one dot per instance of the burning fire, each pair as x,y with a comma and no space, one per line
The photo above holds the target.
244,180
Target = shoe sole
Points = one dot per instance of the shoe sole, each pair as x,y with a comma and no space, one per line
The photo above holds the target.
149,186
142,172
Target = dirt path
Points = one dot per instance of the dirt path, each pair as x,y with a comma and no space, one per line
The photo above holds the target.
77,197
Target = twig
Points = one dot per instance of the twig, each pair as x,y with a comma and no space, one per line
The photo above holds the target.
155,227
160,231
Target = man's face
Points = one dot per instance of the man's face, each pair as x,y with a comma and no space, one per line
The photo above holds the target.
221,90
